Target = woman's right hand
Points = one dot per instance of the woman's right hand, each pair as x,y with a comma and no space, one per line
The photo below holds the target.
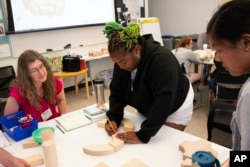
20,163
111,129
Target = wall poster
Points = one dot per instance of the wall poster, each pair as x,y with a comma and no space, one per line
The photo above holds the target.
129,10
4,39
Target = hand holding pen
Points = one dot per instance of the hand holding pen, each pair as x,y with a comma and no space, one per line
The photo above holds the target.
110,127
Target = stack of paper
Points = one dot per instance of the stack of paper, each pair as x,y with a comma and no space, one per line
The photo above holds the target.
73,120
4,142
94,113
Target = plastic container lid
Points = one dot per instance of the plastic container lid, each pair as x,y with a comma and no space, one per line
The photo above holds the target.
99,81
205,159
37,134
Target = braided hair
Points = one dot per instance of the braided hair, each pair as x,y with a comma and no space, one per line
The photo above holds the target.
119,37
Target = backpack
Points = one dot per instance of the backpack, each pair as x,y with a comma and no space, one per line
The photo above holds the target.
71,63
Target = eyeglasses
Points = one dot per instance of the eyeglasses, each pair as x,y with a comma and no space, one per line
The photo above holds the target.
38,69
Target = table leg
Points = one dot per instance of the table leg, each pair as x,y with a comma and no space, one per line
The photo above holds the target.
76,84
86,84
196,68
92,84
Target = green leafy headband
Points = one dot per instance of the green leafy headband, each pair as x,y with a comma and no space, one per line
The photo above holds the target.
128,35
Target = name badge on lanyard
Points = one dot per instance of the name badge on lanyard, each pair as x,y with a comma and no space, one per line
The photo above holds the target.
46,114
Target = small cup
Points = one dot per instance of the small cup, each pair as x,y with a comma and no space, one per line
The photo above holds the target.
209,53
82,64
204,46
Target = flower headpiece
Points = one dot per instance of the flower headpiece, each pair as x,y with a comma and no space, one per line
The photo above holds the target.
128,35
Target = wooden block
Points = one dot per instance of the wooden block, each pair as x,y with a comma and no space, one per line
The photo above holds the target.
186,163
30,143
112,146
35,160
143,165
190,147
101,123
117,144
50,153
102,164
135,163
47,134
225,163
128,125
97,150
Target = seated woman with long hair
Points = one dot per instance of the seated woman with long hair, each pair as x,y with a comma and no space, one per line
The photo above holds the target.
186,56
36,91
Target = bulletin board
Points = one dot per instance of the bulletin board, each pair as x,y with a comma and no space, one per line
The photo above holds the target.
127,10
5,50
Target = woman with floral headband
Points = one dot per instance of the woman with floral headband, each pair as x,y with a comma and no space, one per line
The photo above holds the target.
148,77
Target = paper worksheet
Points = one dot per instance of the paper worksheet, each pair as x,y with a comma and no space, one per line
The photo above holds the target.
73,120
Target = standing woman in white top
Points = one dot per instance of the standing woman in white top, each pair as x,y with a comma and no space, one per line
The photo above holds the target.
184,54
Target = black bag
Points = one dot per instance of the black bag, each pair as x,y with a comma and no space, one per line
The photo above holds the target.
71,63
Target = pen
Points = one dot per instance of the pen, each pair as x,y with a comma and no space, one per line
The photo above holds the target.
110,124
58,127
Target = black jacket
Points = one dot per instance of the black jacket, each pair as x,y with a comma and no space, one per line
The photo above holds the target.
159,88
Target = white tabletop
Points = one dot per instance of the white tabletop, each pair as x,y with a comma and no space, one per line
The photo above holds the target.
204,58
89,58
162,150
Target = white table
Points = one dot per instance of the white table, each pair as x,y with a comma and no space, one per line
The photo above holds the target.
203,55
161,151
87,60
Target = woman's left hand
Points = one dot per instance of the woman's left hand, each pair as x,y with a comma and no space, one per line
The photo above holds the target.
128,137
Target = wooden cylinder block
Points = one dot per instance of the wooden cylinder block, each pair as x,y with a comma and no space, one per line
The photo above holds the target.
50,154
47,134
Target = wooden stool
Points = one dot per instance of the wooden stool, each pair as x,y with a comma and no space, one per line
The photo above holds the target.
84,72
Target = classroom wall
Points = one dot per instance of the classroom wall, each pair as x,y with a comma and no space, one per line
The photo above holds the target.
177,17
182,17
91,38
56,39
82,40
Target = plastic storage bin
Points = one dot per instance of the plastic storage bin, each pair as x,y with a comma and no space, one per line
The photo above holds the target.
13,128
168,41
107,76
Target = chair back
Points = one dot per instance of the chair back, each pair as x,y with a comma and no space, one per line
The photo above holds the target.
7,76
220,113
228,86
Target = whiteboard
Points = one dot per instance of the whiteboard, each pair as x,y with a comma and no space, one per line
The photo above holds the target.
56,39
151,25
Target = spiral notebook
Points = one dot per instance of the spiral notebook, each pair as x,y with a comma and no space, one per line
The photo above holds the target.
74,120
